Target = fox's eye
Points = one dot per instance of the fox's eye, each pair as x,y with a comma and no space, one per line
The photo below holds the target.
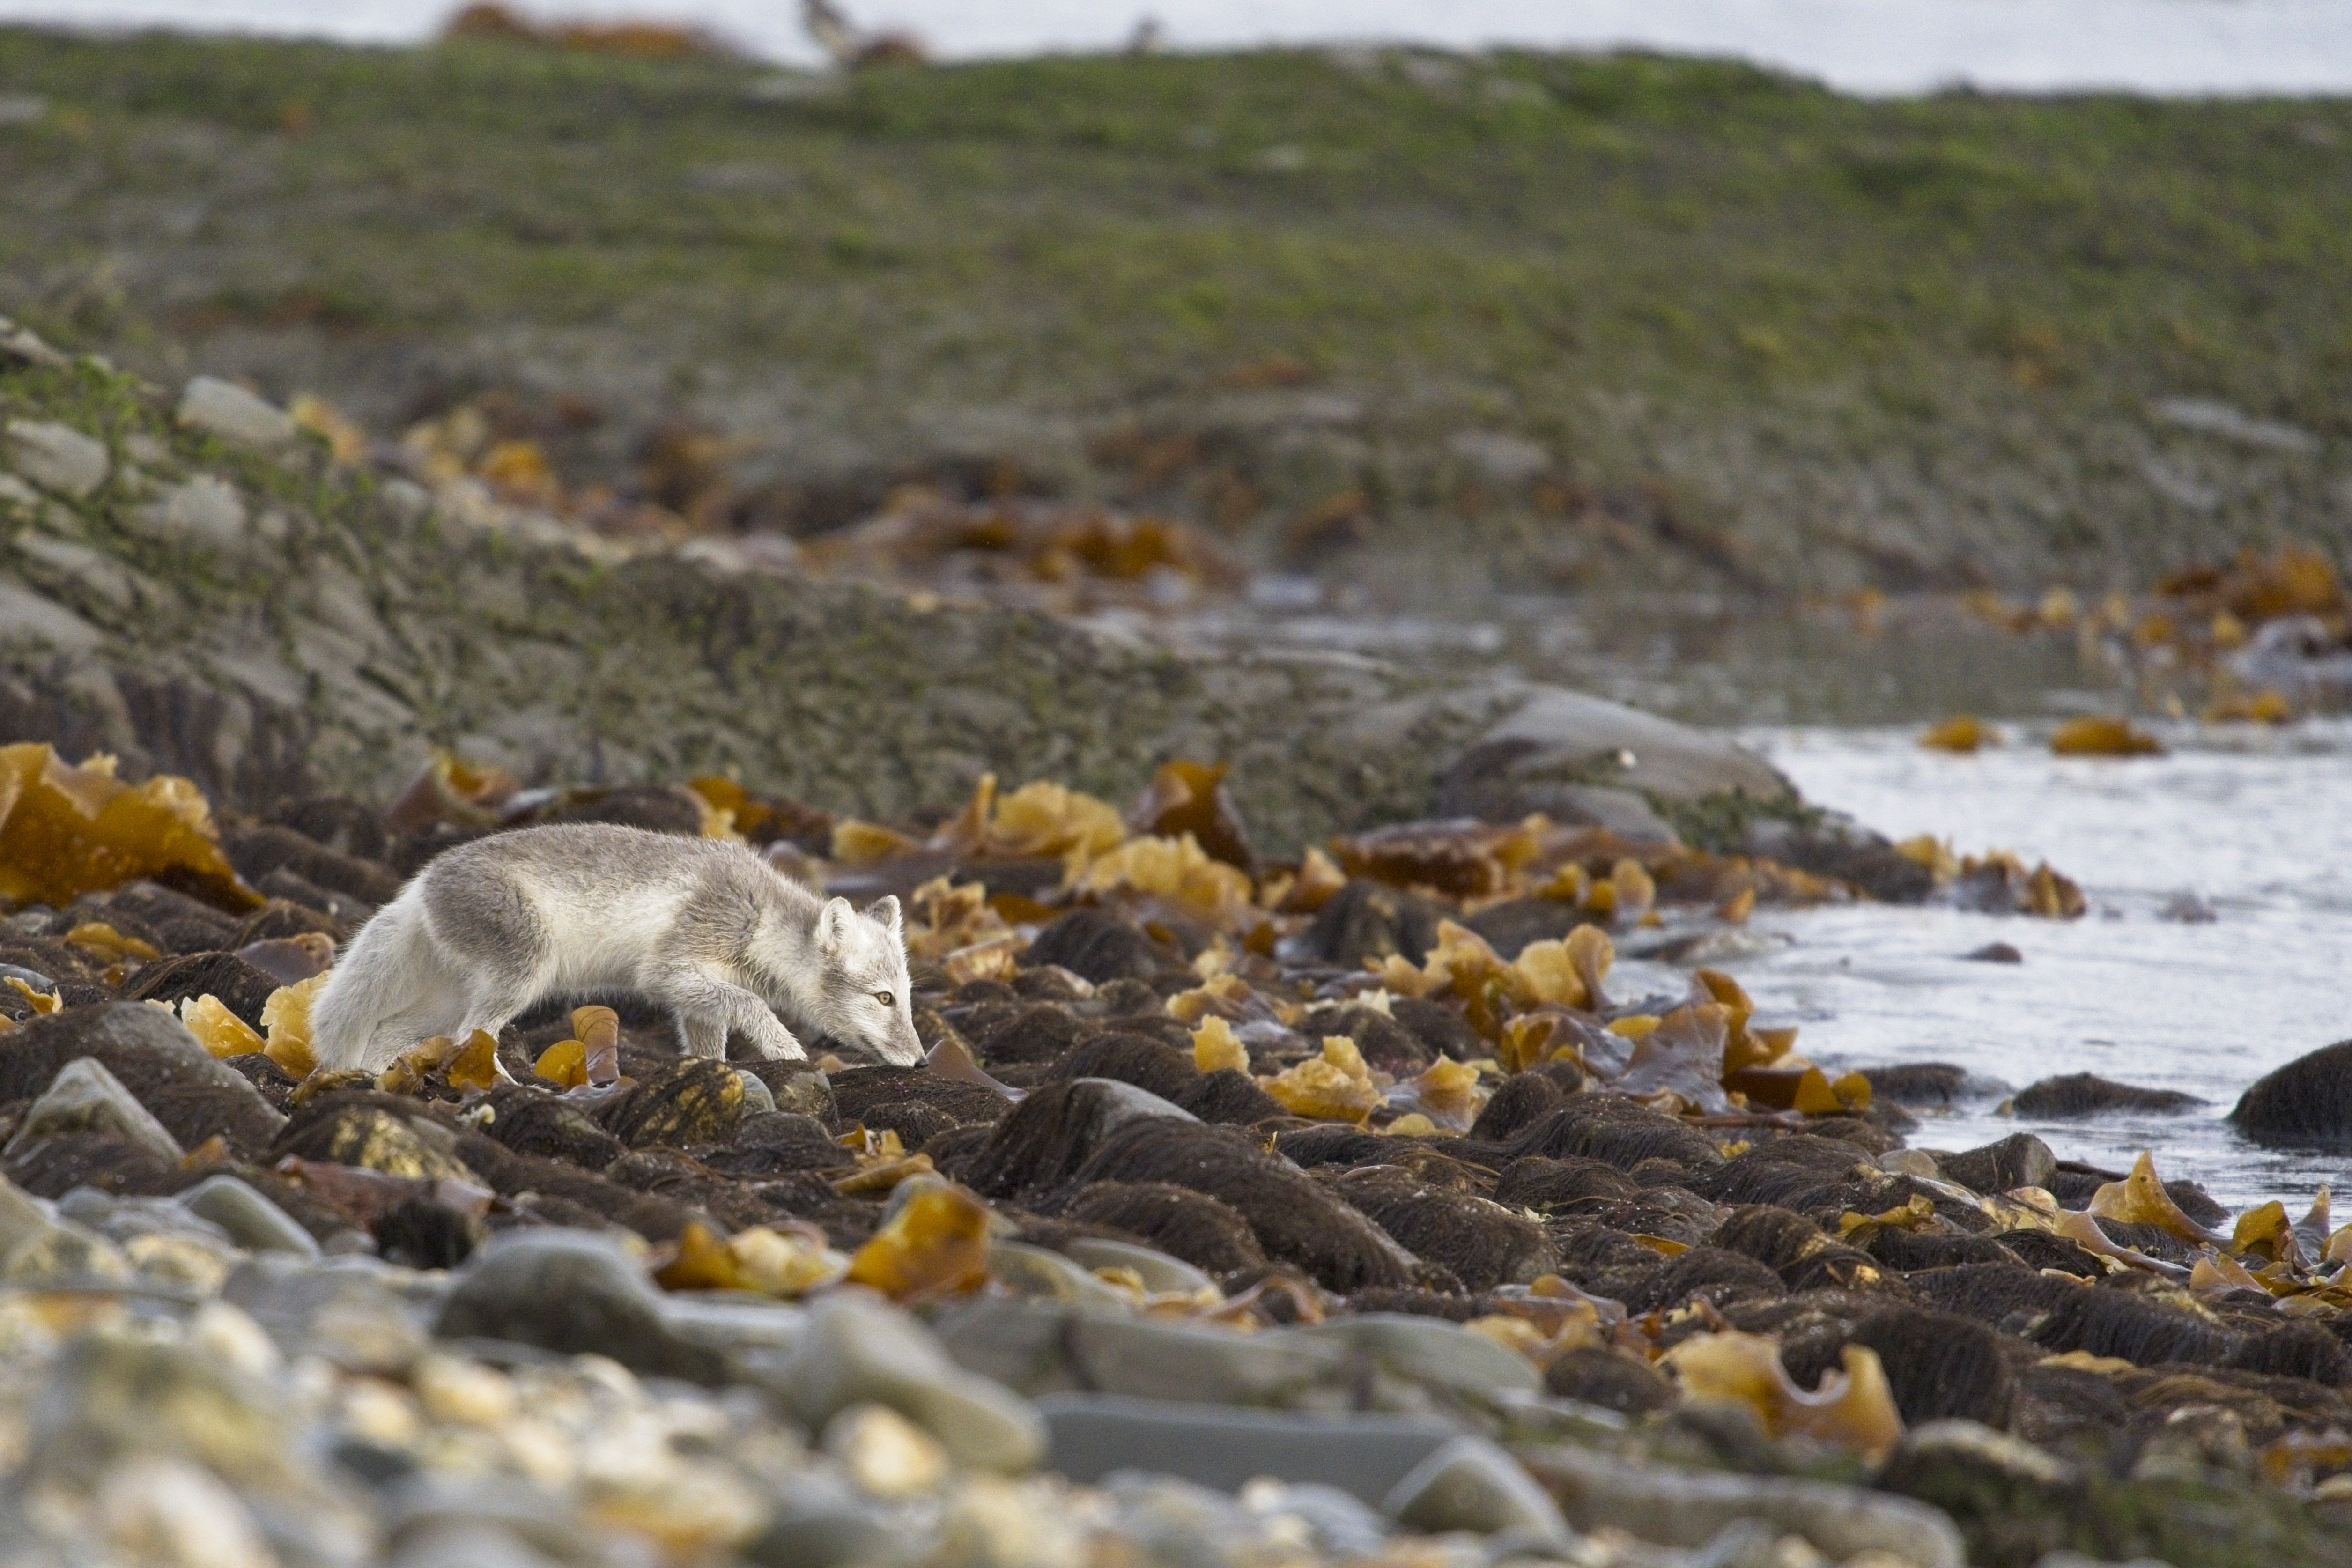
886,998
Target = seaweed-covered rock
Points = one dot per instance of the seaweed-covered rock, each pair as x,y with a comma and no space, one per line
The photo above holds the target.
242,989
151,1053
1096,946
1203,1231
2075,1095
1371,920
687,1103
2307,1101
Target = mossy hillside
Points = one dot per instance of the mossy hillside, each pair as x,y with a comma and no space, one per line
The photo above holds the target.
1756,332
351,630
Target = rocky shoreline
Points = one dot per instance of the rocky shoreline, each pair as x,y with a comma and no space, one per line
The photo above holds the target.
1285,1183
1319,1211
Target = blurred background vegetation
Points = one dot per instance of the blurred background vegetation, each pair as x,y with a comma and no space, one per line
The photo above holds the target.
1438,323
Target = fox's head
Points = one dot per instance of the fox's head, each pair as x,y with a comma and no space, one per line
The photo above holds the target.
861,994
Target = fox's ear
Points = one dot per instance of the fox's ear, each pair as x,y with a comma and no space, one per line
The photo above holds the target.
885,909
832,925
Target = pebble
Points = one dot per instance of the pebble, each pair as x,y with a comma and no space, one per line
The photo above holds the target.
225,409
204,510
1470,1484
173,1514
886,1454
576,1293
859,1349
58,458
250,1220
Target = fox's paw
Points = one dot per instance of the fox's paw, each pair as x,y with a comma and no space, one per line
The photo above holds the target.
775,1043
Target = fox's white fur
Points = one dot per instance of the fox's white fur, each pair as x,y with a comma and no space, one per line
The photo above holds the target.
704,926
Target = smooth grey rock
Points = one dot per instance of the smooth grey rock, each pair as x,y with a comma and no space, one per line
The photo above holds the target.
1046,1275
823,1522
735,1326
1094,1435
119,1219
56,457
1341,1525
575,1292
756,1097
22,1215
1426,1350
20,343
251,1220
86,1097
430,1508
858,1348
348,1311
454,1543
206,509
1673,761
1689,1508
1158,1272
65,1254
1470,1484
32,617
113,1393
17,493
1039,1347
225,409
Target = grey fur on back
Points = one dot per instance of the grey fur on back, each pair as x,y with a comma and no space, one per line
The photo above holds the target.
702,925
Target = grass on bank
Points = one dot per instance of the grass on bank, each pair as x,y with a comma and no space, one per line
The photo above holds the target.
1718,299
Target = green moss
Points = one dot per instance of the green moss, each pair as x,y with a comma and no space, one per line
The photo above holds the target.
1747,290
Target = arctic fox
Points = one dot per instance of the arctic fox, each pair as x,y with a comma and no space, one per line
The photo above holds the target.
702,925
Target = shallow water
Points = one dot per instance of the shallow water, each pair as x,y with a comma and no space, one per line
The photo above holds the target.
2257,825
2182,46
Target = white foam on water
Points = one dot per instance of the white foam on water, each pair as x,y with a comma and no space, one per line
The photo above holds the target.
1879,47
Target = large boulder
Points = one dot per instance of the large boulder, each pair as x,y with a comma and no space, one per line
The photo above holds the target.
2308,1102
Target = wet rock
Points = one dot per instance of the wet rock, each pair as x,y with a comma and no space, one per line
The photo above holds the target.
2020,1159
1159,1271
1015,1033
1917,1083
1386,1045
259,851
1508,779
857,1349
687,1103
1366,920
795,1087
86,1097
350,1128
1569,734
1620,1132
576,1294
1295,1219
192,1095
895,1097
1939,1366
55,456
1060,1127
2106,1321
1203,1231
1484,1244
532,1121
1509,927
656,808
1096,946
1524,1098
1994,952
1440,1029
243,989
2303,1349
1706,1271
1608,1380
2074,1095
2307,1101
1834,849
778,1141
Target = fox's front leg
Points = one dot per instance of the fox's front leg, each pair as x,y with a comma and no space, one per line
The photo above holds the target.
708,1008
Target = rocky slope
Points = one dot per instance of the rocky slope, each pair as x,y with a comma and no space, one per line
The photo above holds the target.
190,581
